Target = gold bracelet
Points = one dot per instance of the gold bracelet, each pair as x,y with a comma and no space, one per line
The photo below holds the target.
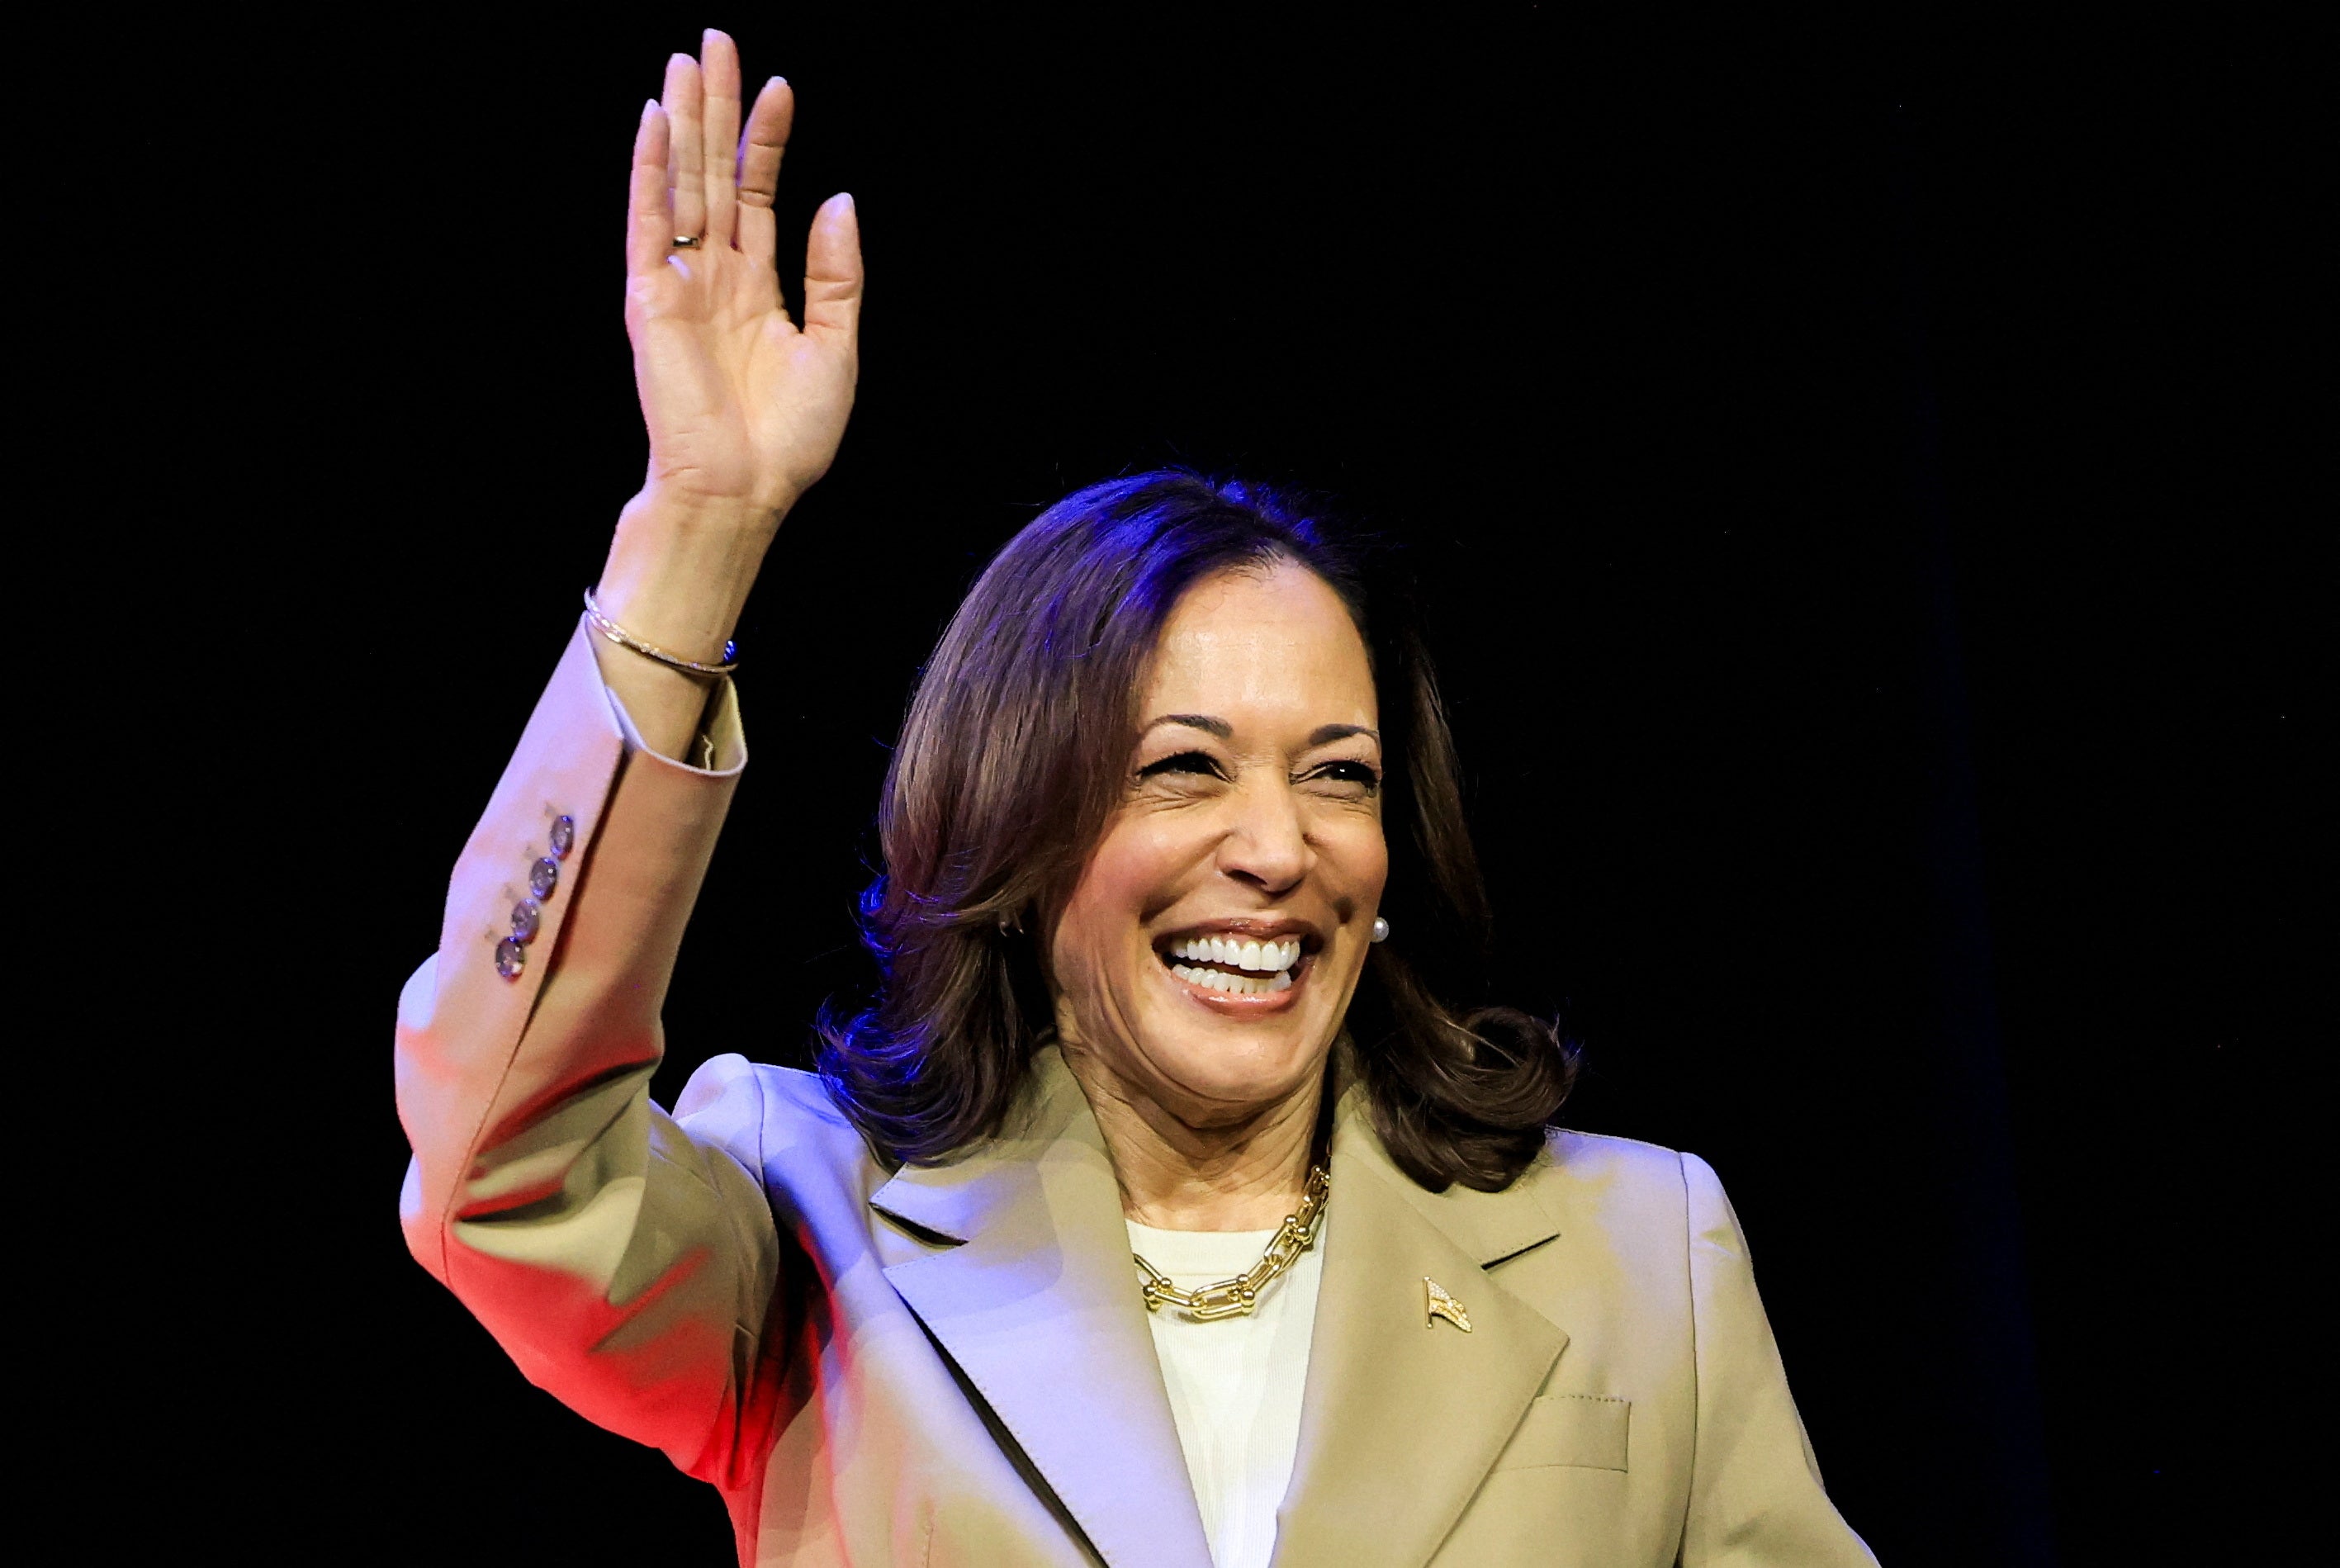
627,639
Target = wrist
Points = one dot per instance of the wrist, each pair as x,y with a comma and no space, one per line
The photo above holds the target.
680,570
662,512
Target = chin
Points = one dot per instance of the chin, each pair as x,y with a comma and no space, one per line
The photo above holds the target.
1227,1079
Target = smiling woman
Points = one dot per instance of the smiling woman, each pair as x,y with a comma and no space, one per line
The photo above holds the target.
1172,712
1160,1211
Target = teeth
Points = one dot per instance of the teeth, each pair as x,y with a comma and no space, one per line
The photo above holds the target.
1234,985
1260,958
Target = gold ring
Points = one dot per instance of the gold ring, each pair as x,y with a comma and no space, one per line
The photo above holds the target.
686,242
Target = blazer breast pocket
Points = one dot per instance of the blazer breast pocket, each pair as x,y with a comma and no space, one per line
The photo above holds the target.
1584,1430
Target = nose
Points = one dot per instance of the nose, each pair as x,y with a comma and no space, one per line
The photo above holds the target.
1267,843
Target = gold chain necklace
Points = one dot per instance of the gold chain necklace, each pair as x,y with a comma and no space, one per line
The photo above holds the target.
1234,1297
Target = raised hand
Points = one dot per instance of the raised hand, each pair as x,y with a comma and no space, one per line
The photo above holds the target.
745,408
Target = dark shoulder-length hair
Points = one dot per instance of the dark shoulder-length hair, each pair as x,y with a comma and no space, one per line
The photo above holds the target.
1011,762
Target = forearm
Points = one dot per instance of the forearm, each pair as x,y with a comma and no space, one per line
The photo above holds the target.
558,941
609,1251
678,574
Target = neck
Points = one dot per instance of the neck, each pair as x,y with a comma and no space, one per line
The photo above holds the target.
1194,1171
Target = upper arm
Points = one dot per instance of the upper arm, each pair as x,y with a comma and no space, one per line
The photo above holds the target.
638,1287
1756,1497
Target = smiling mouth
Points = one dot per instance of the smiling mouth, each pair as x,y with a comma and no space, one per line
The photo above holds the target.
1237,966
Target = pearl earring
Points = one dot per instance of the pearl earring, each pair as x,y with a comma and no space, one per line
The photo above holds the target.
1380,929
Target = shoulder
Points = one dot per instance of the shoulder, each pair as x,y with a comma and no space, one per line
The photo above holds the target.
769,1118
1609,1252
1603,1159
1625,1182
1621,1185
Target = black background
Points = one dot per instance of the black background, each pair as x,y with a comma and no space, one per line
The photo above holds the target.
1858,476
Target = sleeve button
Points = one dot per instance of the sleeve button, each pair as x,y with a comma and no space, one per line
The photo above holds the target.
511,957
527,915
564,837
543,876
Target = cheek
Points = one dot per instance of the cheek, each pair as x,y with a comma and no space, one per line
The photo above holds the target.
1354,857
1376,858
1139,868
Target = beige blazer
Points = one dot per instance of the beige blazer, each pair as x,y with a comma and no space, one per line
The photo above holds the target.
952,1365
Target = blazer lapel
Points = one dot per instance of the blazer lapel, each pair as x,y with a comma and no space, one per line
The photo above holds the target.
1040,1309
1405,1413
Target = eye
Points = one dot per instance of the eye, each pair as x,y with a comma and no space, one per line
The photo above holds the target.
1183,762
1352,772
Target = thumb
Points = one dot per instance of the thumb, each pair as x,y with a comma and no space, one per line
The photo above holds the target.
833,273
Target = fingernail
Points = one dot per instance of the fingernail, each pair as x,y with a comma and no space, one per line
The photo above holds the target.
776,82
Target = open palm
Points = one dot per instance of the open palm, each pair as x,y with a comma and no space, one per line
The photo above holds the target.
745,408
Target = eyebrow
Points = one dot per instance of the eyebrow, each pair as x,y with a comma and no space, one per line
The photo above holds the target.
1323,735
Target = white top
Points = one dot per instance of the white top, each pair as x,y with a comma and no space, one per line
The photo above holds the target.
1234,1384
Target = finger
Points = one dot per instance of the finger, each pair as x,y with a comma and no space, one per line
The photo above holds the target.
685,181
833,274
718,64
650,225
760,148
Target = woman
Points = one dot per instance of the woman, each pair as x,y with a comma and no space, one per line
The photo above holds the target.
1159,1212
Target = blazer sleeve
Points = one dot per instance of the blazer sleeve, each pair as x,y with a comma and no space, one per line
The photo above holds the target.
1756,1497
626,1261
